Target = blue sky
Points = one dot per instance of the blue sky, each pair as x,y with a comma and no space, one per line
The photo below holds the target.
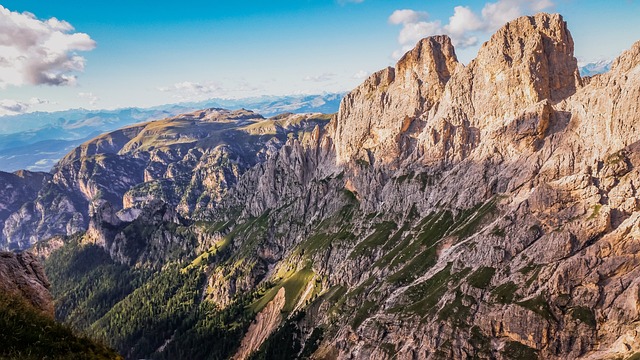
141,53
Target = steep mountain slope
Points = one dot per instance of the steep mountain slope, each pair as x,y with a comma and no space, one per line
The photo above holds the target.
446,211
187,161
16,191
26,310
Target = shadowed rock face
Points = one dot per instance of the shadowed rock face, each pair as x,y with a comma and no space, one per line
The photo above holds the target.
446,211
23,276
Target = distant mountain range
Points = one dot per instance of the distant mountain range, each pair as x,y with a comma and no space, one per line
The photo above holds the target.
36,141
595,68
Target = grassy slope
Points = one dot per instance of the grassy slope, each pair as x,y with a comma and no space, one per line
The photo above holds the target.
27,333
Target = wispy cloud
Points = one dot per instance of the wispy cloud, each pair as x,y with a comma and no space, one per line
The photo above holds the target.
465,26
361,75
195,91
36,52
93,99
13,107
320,78
188,90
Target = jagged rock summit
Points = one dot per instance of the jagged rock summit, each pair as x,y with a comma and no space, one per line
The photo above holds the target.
429,93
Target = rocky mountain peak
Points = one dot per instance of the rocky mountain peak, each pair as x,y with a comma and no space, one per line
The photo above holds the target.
530,59
527,61
368,116
628,60
433,60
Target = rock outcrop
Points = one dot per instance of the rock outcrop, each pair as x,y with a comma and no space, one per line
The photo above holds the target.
21,275
265,323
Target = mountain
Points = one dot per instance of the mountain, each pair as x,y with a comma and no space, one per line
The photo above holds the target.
26,316
37,141
595,68
446,211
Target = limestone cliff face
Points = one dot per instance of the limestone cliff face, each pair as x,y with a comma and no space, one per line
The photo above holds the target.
16,191
374,118
22,275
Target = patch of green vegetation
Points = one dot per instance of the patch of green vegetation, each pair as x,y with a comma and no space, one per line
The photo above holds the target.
456,312
635,356
534,270
209,256
481,278
616,157
426,295
388,348
496,231
362,163
434,227
540,306
479,341
350,195
533,277
86,282
284,343
415,268
403,178
396,248
29,334
214,227
505,293
335,293
596,211
293,286
469,220
363,312
514,350
252,232
378,238
321,241
312,343
529,268
362,287
430,230
584,315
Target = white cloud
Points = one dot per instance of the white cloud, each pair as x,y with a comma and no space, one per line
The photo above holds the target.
13,107
407,16
463,22
320,78
93,99
195,91
36,52
192,90
412,32
465,27
361,75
